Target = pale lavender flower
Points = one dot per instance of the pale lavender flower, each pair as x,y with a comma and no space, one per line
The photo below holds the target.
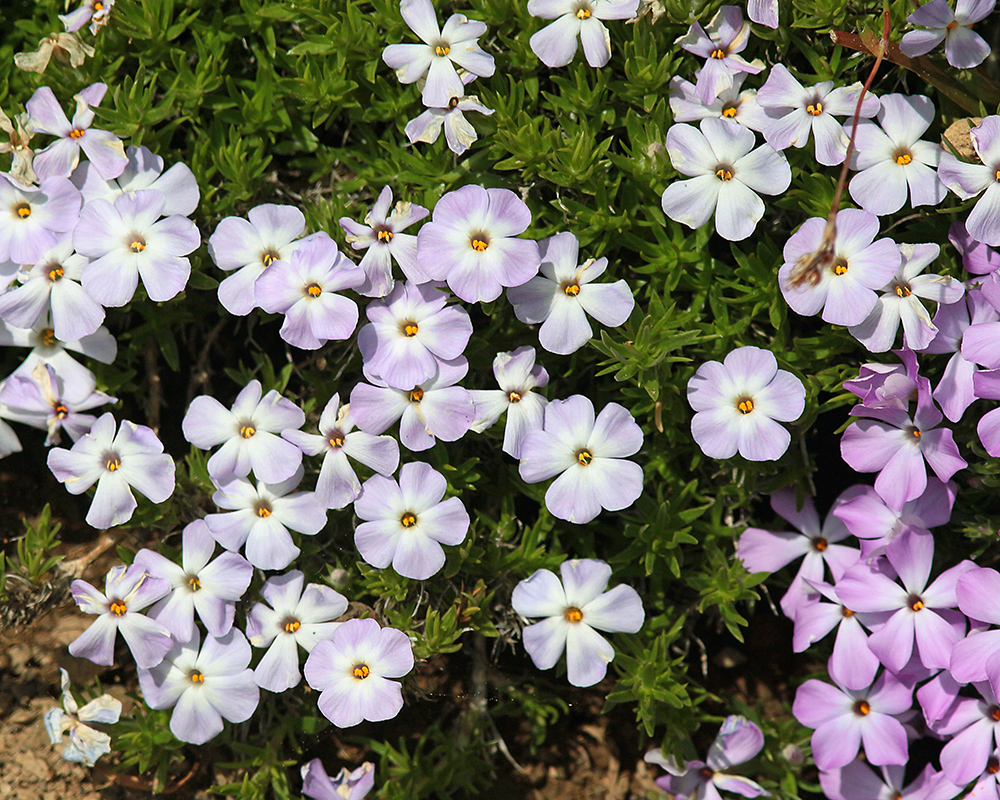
100,345
127,590
968,180
896,446
260,517
845,291
353,668
203,686
406,523
103,149
9,443
411,331
555,44
920,621
85,744
857,781
37,217
250,434
96,12
720,46
295,615
726,174
564,295
844,718
382,238
962,48
735,103
470,243
738,741
795,111
458,131
342,786
586,456
117,463
441,50
737,402
977,592
144,170
435,409
900,302
768,551
304,289
892,385
272,234
763,12
47,401
338,485
128,240
209,587
518,376
51,289
893,160
573,608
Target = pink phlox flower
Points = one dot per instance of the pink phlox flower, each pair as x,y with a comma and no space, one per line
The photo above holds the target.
735,103
893,160
968,180
979,346
973,731
382,238
45,347
726,172
977,592
37,217
887,385
458,131
720,45
518,376
103,149
96,12
737,742
738,401
767,551
858,781
555,44
575,608
962,48
343,786
794,111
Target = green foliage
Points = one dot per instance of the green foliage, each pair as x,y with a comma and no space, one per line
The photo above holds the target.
33,559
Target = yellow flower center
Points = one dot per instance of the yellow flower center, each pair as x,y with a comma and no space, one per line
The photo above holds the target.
263,509
846,612
814,109
453,103
194,583
47,336
903,159
584,457
572,289
410,328
442,50
113,463
744,405
514,397
268,257
998,175
360,671
573,614
861,708
23,210
337,439
292,625
55,272
995,713
314,290
915,432
729,111
98,6
724,174
480,242
903,291
993,766
60,411
718,52
416,394
820,544
384,235
247,430
76,133
583,13
839,266
196,677
408,520
915,602
118,608
137,245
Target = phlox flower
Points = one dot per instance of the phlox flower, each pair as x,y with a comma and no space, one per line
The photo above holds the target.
45,347
518,376
343,786
338,485
382,238
845,287
304,289
103,149
738,741
893,160
410,332
250,434
737,402
260,516
763,12
977,592
968,180
51,290
720,45
794,111
917,623
972,730
272,234
962,47
352,671
896,446
726,174
979,346
47,401
117,463
96,12
555,44
900,302
36,217
127,590
128,240
85,744
574,610
203,683
66,47
470,243
198,584
845,718
406,523
857,781
441,50
564,295
735,103
432,410
458,131
9,443
886,385
294,614
586,456
769,551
